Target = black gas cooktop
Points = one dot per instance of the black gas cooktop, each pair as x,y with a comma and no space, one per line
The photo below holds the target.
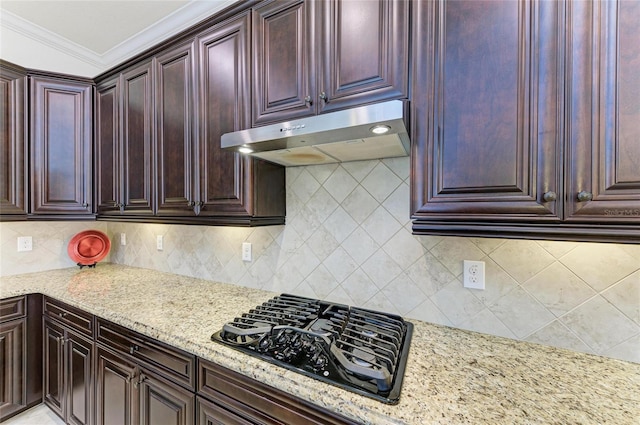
360,350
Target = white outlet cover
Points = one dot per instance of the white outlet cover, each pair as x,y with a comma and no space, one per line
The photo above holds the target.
473,274
159,242
25,243
123,238
246,251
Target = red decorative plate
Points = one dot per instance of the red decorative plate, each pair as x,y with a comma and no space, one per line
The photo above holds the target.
88,247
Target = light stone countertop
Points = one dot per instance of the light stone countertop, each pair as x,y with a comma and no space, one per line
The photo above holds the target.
452,377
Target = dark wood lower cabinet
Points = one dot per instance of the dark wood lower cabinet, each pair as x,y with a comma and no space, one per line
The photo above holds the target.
128,394
115,376
68,363
54,367
163,402
12,366
116,395
253,402
20,360
209,413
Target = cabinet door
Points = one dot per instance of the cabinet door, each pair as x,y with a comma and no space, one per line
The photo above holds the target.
284,63
174,108
224,93
54,367
61,141
209,413
79,376
137,135
164,403
485,111
108,166
12,142
231,184
365,52
116,396
12,366
603,160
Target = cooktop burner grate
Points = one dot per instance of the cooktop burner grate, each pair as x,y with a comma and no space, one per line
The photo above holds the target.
360,350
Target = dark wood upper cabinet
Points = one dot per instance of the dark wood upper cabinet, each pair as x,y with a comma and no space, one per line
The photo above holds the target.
515,111
123,140
13,82
175,128
158,137
138,173
485,110
61,146
284,70
603,156
231,184
313,57
108,148
365,52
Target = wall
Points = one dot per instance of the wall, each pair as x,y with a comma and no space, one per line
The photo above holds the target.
348,238
50,240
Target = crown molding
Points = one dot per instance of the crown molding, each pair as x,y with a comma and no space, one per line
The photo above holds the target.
178,21
49,38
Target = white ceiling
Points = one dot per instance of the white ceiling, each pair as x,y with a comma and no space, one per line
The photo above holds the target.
102,33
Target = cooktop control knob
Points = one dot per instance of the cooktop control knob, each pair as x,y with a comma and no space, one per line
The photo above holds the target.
319,362
282,338
264,343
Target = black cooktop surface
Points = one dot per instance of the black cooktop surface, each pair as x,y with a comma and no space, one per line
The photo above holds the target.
361,350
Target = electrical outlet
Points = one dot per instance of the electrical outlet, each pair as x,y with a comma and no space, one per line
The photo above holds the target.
473,276
25,243
123,238
246,251
159,242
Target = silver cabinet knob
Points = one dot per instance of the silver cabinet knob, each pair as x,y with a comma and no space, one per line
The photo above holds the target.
550,196
584,196
308,100
323,96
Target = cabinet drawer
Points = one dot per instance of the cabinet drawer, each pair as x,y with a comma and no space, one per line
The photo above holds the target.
73,317
258,402
12,308
175,364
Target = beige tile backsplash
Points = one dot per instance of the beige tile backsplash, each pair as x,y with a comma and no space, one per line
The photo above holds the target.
348,239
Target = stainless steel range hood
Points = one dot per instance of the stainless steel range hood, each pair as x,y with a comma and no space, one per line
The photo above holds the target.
341,136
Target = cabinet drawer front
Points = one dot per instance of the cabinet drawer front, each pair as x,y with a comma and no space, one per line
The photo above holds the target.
176,364
75,318
208,413
258,402
12,308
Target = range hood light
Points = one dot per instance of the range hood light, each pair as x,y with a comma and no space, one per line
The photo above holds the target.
380,129
244,149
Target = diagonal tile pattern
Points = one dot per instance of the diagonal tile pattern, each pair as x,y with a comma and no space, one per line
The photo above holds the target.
348,239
